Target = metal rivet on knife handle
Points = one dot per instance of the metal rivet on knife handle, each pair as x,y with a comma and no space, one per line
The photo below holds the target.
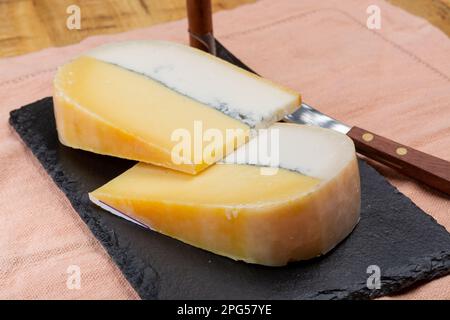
367,137
401,151
426,168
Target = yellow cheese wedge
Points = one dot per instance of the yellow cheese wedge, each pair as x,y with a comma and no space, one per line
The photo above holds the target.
299,211
128,99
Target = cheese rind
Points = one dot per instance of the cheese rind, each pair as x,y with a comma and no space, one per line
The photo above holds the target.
234,210
128,99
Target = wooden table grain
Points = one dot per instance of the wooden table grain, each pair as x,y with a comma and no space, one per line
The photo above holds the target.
29,25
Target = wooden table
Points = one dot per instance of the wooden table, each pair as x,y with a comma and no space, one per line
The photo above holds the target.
28,25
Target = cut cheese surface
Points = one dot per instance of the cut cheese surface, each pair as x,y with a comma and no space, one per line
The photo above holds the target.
234,210
249,186
128,100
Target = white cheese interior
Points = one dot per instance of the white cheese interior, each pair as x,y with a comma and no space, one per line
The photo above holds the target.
204,78
312,151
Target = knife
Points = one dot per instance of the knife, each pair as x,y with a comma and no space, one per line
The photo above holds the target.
430,170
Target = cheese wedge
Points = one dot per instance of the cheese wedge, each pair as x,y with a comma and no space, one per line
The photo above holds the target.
299,211
128,99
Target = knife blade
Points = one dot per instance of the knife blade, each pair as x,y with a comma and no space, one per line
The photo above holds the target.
428,169
310,116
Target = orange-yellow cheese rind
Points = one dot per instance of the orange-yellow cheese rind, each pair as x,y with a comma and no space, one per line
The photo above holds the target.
239,213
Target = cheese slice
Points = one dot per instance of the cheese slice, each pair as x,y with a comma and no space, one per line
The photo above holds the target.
299,211
128,100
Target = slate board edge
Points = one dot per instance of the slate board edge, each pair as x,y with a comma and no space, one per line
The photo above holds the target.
136,277
425,269
144,280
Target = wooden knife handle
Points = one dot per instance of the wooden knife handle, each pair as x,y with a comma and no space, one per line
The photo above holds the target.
423,167
200,22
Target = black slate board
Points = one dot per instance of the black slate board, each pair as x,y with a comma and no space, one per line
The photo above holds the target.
406,243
